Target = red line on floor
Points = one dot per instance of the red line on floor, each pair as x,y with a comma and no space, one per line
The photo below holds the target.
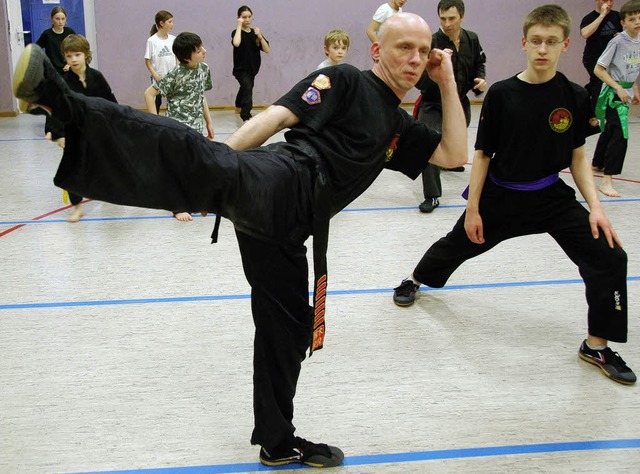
16,227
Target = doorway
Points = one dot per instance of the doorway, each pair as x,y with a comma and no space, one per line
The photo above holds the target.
36,16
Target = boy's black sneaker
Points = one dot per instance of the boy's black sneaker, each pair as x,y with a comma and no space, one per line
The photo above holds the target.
609,362
299,450
405,294
38,85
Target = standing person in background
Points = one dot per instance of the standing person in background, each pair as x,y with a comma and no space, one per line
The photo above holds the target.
598,27
336,46
618,68
469,68
159,57
50,40
384,12
247,44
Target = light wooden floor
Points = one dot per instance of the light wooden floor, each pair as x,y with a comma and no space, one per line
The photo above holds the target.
125,339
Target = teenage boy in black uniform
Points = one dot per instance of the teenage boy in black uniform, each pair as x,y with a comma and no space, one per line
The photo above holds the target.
532,126
345,128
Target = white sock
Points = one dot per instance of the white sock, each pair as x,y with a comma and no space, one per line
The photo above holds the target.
410,277
596,348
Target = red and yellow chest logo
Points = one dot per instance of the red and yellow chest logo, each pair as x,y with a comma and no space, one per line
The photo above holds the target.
560,120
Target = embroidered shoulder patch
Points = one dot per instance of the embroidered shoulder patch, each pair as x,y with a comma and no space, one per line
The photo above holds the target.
312,96
322,82
560,120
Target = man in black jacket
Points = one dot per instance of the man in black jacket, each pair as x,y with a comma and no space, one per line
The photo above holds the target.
469,68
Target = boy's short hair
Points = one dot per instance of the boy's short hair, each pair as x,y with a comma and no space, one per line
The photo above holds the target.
335,36
185,44
548,15
446,4
76,44
629,8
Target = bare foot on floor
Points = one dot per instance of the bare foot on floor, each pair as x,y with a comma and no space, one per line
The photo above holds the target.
608,190
47,136
77,214
183,216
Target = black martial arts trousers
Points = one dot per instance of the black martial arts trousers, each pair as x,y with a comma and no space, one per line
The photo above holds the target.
431,114
116,154
244,97
554,210
611,148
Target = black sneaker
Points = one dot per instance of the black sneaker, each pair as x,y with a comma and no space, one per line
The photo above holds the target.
38,85
609,362
405,294
304,452
428,205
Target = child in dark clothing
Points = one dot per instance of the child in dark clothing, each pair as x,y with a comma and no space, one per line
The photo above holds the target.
50,40
85,80
247,44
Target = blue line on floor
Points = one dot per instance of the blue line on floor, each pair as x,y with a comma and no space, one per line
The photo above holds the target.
459,453
354,209
187,299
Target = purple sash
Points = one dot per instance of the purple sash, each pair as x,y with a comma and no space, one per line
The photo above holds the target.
520,185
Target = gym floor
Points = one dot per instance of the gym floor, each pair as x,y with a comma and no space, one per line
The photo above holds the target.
126,338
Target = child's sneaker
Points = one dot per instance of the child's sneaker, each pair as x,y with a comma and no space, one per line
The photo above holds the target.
299,450
609,362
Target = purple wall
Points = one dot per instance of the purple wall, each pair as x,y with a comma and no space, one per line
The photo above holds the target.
295,29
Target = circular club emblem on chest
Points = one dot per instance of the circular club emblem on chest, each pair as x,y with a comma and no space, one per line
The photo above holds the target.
560,120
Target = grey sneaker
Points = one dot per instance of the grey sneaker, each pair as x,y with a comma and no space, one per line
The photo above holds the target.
609,362
405,294
301,451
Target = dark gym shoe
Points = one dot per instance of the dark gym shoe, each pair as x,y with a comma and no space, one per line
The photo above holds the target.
405,294
428,205
37,84
304,452
609,362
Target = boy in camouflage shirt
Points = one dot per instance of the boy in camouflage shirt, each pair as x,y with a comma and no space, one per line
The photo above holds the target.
185,84
184,88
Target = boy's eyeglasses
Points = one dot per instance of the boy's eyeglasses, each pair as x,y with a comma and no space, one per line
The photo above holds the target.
550,43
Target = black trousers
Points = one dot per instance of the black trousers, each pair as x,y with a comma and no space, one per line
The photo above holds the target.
611,148
431,114
594,86
117,154
553,210
278,275
244,97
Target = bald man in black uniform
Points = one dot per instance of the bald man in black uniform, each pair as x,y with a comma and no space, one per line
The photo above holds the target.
345,127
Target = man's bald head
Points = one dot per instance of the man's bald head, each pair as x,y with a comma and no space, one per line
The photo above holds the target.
402,51
403,21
